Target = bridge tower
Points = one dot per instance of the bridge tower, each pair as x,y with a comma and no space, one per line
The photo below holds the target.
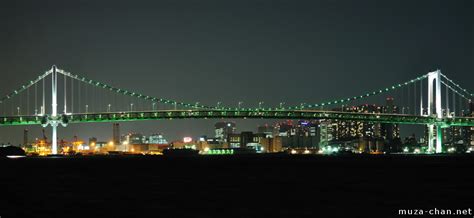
54,110
434,108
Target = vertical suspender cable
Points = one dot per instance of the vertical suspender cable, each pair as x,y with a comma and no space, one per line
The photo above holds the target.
421,97
36,99
414,98
460,106
408,99
28,101
85,99
43,110
454,103
72,95
79,93
447,100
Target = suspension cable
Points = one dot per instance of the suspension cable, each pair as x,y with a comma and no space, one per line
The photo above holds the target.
132,94
457,85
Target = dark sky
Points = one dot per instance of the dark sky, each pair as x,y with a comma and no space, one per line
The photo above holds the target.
230,51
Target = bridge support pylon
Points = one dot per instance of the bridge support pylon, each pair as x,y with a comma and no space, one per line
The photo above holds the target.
435,138
434,108
54,111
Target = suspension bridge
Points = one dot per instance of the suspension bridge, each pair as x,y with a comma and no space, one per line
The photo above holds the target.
89,101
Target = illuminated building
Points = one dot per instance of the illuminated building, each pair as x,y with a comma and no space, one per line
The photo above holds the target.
78,145
304,134
133,138
205,144
245,140
138,143
222,129
371,133
157,139
390,131
266,129
116,133
187,142
92,141
369,137
272,145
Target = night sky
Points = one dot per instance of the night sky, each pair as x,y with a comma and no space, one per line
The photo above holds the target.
231,51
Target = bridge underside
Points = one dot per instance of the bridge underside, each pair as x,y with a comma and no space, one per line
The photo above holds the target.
236,114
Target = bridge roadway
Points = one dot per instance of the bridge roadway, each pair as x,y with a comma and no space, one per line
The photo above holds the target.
241,114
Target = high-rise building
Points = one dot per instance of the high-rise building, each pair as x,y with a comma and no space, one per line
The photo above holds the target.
303,134
266,129
116,133
157,139
222,129
245,139
390,131
134,138
92,140
371,133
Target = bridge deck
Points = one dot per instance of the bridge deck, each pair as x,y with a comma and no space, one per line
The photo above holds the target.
240,114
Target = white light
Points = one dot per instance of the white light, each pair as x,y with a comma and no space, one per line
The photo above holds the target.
187,139
206,149
293,151
15,156
417,151
307,151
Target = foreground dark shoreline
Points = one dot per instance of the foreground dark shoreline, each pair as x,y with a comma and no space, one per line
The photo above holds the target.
234,186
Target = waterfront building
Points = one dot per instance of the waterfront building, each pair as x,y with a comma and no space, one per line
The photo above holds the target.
303,134
222,129
116,133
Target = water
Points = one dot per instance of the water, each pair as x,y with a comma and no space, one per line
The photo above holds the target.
238,186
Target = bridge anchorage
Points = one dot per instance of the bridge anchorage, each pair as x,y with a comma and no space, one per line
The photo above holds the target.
84,103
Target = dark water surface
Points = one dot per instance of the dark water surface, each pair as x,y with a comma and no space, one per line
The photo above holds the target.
238,186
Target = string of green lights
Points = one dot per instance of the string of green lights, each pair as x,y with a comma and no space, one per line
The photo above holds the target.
452,89
24,87
132,94
369,94
458,86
